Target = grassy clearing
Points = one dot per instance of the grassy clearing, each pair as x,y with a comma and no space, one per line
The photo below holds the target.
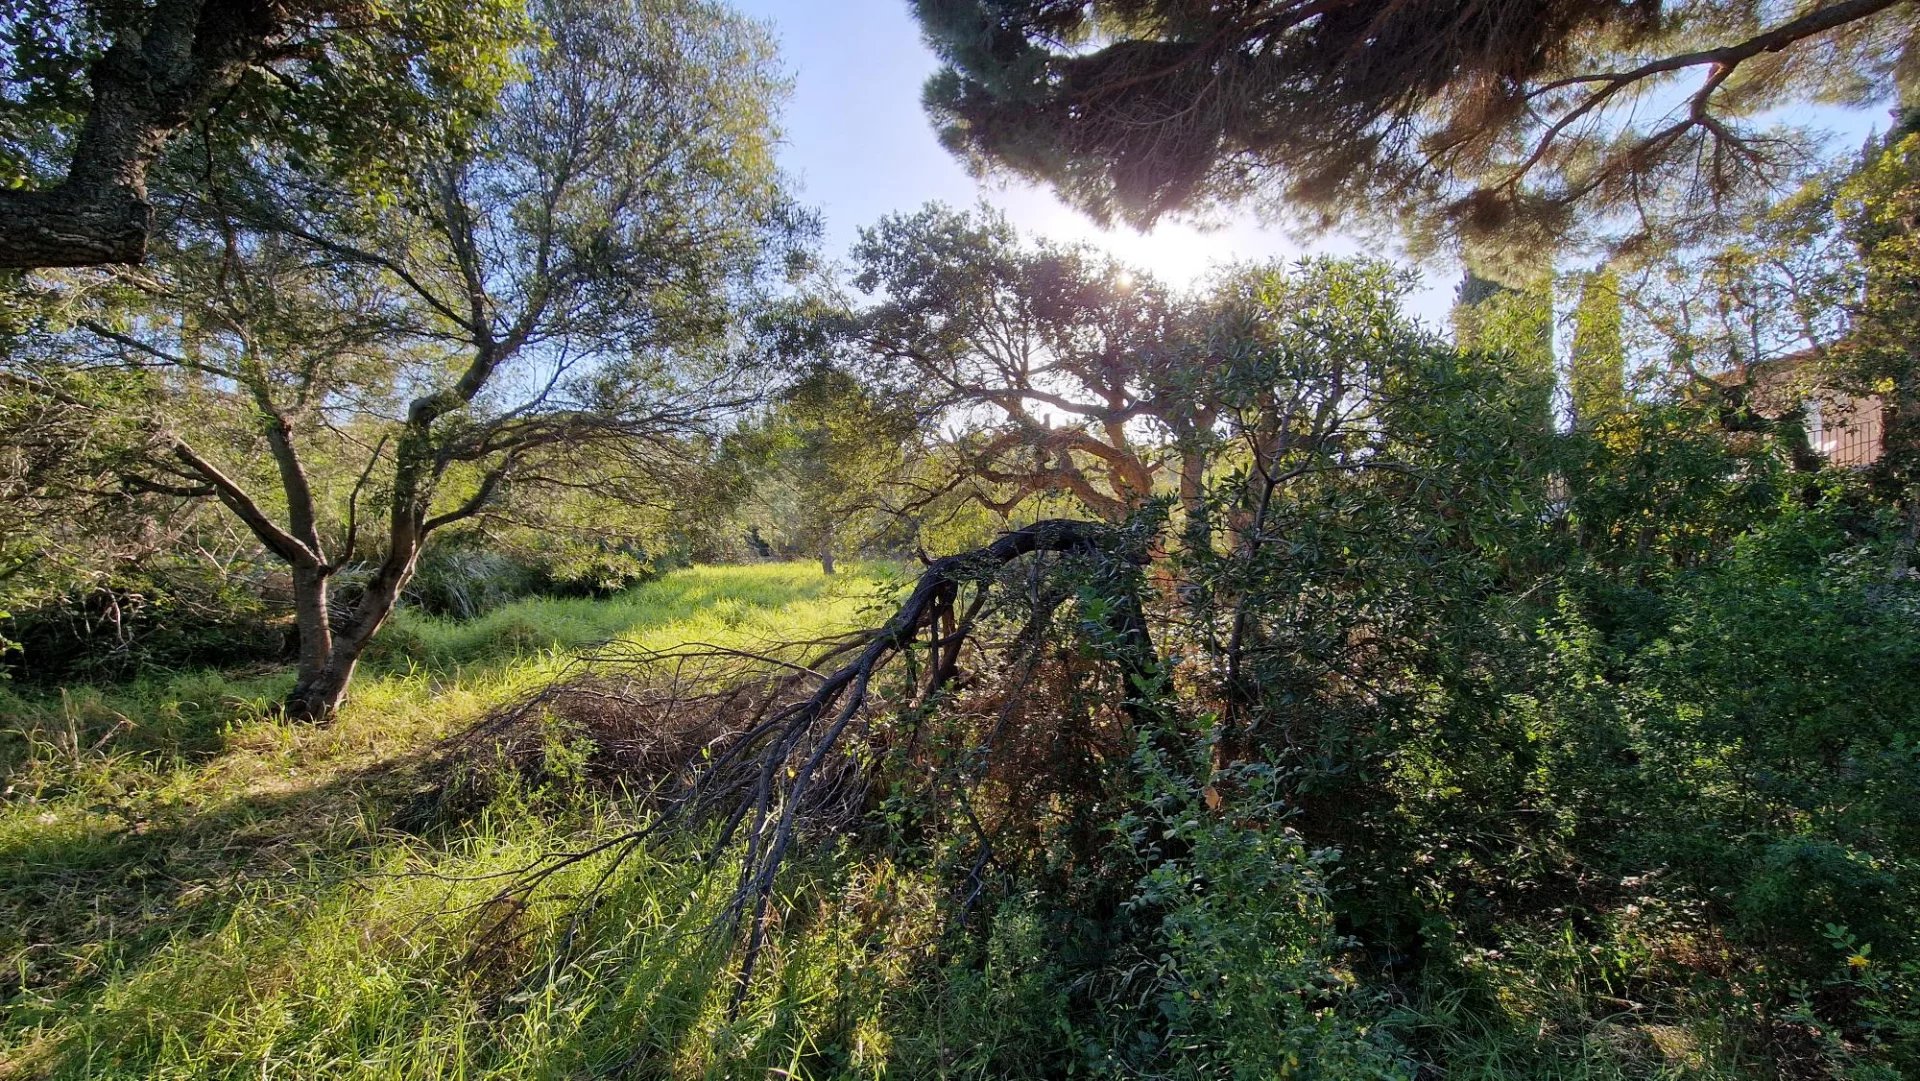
191,888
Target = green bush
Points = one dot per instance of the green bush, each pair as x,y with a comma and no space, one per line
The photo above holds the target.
169,613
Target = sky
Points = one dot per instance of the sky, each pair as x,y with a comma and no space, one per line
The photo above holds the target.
860,147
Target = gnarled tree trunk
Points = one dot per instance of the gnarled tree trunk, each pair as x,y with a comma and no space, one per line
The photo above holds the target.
145,88
328,656
320,684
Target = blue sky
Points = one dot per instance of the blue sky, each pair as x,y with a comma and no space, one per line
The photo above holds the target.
860,147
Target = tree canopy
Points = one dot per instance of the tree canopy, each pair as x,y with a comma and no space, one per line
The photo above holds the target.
96,92
555,278
1516,117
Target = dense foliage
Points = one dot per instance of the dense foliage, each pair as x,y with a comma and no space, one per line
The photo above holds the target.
533,303
1287,687
1520,123
96,92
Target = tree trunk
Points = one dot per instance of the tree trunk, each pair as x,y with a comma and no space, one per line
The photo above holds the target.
318,692
61,228
312,617
321,685
326,662
826,551
1193,480
144,89
328,659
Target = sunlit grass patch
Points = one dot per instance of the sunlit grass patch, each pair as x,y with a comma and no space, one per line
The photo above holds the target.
386,973
760,600
191,886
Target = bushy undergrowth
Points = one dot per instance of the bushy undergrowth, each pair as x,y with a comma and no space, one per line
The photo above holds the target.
191,887
171,613
1588,811
179,613
467,575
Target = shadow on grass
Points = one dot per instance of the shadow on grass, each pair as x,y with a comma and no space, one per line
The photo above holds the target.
120,961
90,889
122,856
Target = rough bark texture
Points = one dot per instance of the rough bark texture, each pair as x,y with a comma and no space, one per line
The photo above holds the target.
329,655
318,695
145,88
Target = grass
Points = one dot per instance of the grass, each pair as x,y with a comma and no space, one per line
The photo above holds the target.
190,887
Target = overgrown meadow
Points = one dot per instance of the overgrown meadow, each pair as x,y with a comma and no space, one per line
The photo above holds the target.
485,594
195,888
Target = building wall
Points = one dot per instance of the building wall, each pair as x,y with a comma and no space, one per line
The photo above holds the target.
1846,430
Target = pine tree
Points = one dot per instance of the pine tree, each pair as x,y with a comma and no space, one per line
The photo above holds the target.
1509,119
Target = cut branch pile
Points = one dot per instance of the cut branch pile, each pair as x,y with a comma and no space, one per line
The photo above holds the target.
757,745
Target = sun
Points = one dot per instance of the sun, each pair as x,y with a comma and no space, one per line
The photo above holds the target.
1175,253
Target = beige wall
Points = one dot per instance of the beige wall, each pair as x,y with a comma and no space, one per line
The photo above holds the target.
1848,432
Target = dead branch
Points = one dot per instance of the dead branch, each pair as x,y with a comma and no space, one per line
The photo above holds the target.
755,744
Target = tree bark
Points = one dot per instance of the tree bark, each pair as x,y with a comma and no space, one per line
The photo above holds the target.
317,694
326,668
328,658
144,90
323,674
311,617
63,227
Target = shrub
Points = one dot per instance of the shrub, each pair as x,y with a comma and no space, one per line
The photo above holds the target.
169,613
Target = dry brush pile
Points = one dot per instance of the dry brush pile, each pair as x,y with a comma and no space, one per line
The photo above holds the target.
752,749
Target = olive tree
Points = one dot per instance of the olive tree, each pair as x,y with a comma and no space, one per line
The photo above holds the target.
1060,365
349,368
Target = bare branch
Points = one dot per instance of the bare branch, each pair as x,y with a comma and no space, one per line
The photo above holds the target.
245,507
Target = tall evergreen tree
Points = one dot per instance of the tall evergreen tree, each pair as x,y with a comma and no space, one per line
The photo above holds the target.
1517,320
1596,363
1499,118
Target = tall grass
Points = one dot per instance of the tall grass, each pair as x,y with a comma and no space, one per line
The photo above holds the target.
191,887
